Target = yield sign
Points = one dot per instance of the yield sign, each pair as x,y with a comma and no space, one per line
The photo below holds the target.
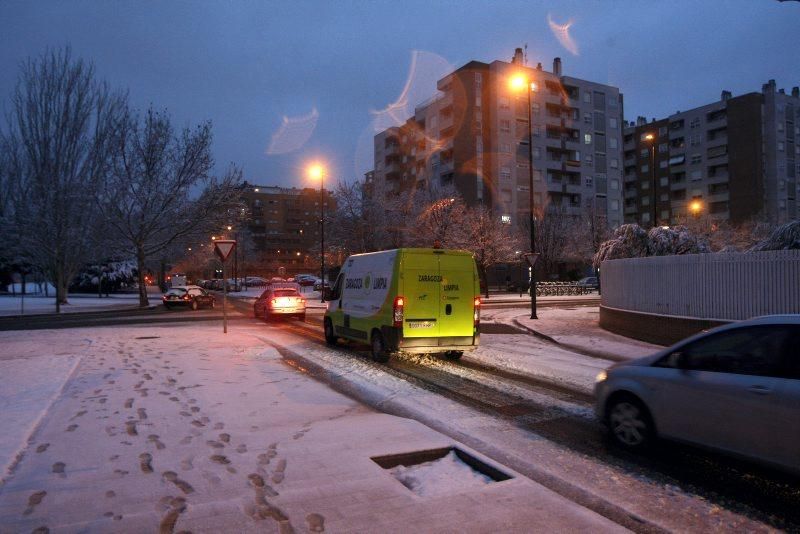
223,248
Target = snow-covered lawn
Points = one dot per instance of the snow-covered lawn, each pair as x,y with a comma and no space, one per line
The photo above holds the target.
10,305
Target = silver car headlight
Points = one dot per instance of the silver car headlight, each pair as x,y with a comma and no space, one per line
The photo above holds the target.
601,377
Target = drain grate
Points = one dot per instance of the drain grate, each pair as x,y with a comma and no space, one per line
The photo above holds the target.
148,337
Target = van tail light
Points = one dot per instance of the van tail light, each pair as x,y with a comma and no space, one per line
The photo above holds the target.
397,312
476,316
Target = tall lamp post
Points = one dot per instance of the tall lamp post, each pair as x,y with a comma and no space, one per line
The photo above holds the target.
318,173
651,139
518,83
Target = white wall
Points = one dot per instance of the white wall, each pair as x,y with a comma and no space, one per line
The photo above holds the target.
708,286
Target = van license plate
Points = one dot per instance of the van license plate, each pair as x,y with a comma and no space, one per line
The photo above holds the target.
420,324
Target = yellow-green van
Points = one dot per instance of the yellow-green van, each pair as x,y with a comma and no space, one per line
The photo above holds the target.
415,300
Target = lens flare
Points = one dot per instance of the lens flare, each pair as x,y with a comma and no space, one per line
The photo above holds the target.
561,32
293,133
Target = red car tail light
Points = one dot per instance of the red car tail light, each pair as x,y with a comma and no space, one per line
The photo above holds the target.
397,312
477,314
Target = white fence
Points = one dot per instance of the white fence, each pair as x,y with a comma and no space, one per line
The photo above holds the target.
708,286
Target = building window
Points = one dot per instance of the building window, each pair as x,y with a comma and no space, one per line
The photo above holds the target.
478,78
589,159
478,101
614,184
587,118
505,148
537,175
780,146
612,142
614,204
694,123
537,153
587,96
612,122
695,175
599,100
645,168
505,173
505,125
645,201
696,158
537,131
588,181
587,139
663,148
614,163
536,108
662,130
664,181
504,102
645,184
643,153
663,164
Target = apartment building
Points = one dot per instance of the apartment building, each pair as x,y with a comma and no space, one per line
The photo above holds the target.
732,159
284,224
474,134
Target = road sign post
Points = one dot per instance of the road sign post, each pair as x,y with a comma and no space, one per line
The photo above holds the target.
223,248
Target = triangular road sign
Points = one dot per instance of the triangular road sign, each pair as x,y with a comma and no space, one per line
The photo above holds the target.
223,248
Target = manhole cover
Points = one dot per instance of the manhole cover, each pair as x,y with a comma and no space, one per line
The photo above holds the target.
147,337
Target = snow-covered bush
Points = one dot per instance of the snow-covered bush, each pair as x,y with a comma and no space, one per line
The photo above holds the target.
632,241
785,237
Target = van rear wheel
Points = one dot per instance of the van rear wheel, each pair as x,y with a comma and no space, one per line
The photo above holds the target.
330,337
379,352
454,354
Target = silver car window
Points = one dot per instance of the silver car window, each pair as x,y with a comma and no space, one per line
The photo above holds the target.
754,350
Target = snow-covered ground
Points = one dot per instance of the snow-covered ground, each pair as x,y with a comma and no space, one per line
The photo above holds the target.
10,305
575,327
168,429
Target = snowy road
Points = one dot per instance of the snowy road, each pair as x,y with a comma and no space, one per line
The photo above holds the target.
519,400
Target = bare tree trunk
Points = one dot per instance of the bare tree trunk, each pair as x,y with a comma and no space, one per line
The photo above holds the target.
140,257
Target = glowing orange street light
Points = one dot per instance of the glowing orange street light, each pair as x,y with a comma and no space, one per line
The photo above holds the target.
695,206
521,82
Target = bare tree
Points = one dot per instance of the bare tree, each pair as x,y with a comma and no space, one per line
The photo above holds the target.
57,147
490,241
148,196
440,223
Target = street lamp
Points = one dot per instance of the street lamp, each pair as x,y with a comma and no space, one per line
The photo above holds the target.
695,207
521,82
317,172
651,139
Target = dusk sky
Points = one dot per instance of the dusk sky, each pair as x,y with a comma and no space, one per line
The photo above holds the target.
288,82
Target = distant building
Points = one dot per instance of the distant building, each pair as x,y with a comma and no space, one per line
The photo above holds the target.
284,224
735,159
474,135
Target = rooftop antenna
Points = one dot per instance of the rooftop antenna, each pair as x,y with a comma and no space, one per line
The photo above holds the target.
525,59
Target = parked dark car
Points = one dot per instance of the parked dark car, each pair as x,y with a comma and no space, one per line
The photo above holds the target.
280,301
589,282
194,297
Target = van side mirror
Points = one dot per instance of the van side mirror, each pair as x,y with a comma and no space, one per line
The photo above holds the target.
681,360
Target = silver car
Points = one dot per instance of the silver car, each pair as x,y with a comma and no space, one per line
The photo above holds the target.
735,388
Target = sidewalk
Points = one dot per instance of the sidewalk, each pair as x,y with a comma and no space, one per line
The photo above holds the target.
578,329
208,432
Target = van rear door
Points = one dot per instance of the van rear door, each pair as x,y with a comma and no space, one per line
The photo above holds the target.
456,303
421,283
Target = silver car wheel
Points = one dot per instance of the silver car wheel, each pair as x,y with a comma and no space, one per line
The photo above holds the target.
628,424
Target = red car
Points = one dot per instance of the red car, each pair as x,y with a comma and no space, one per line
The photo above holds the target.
280,301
